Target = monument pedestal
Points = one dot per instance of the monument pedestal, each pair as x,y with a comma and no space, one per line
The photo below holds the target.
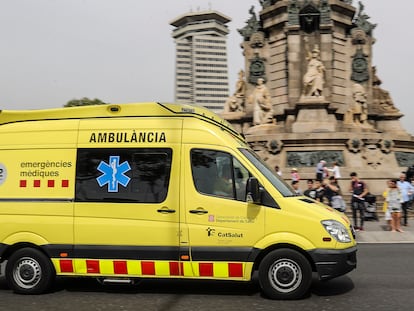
263,129
356,125
313,116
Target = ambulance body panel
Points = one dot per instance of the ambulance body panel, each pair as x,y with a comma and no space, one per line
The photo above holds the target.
154,190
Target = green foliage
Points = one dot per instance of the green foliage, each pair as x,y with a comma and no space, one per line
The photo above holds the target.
84,102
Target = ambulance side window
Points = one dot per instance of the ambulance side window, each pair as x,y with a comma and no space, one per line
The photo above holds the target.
219,174
123,175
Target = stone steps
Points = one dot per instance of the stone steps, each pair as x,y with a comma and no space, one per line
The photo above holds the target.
379,204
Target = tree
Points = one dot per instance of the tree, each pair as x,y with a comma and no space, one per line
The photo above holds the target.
85,101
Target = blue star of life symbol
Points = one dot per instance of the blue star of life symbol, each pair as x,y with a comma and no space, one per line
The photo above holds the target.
113,174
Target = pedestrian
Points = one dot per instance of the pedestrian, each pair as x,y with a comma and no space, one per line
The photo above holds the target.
295,186
394,200
407,189
321,170
387,214
335,170
294,174
278,171
320,191
359,190
333,194
310,191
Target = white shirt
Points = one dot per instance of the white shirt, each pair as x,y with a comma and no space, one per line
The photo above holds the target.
335,171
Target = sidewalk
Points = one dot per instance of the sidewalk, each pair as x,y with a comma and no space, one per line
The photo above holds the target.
375,232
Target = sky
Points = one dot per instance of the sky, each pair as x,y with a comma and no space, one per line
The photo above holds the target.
120,51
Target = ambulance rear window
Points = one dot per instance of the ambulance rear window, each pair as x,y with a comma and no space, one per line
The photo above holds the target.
139,175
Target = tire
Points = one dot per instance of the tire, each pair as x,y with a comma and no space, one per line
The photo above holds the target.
285,274
30,272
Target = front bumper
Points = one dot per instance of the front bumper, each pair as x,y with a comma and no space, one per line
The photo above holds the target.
331,263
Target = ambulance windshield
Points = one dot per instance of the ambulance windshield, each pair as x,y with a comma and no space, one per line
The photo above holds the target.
276,181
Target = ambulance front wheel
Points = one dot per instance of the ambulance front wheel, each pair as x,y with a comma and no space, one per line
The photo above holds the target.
29,271
285,274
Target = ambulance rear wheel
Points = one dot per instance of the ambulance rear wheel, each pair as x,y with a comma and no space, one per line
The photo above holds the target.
285,274
29,271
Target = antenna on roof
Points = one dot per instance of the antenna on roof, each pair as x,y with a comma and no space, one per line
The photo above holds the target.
209,6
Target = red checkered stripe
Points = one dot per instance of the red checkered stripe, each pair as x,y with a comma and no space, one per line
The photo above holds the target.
49,183
148,268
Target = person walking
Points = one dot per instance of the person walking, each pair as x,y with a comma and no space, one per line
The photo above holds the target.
294,174
321,170
387,213
359,190
335,170
333,192
407,189
394,200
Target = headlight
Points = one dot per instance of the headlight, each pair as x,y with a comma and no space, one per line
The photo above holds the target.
336,230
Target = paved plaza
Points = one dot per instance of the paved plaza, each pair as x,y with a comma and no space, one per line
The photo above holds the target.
376,232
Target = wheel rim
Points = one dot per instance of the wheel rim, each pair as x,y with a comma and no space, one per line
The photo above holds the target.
285,275
27,273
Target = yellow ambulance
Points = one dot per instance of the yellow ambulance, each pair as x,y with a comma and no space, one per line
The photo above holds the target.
151,190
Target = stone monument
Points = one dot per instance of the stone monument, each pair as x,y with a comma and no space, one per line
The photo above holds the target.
309,91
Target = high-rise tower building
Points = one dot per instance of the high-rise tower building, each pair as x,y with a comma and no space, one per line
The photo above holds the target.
201,75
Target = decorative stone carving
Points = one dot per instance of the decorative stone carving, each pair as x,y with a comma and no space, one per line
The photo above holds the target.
262,109
235,103
354,145
309,17
311,158
274,146
314,78
293,13
386,145
373,155
359,37
306,124
360,67
325,12
381,98
253,25
256,69
404,158
257,40
267,3
362,20
240,85
359,109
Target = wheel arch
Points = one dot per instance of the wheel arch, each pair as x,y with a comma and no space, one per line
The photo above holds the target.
10,249
20,240
262,254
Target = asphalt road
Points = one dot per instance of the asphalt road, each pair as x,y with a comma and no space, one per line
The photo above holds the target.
384,280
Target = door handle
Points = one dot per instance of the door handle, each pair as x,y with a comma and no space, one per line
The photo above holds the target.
165,210
198,211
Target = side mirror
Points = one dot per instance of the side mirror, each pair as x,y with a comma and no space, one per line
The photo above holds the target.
252,191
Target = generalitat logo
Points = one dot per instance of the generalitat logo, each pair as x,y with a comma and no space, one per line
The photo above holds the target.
3,173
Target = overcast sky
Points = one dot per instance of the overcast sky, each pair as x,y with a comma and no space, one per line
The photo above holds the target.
122,51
